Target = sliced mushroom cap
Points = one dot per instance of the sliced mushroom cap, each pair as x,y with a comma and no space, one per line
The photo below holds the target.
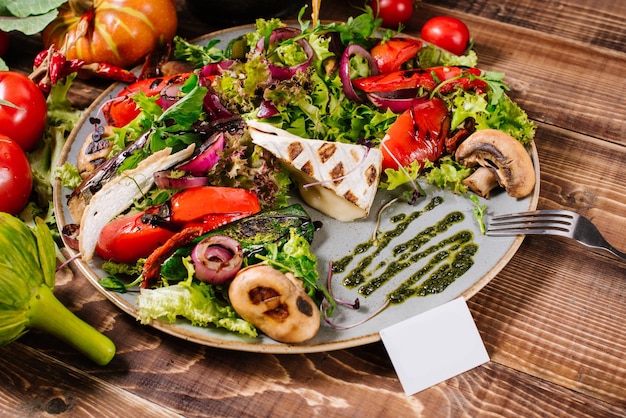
94,151
274,302
504,159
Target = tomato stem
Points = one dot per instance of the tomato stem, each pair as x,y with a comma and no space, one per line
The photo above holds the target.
80,7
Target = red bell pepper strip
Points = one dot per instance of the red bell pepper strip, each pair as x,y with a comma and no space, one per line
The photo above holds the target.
417,135
210,207
391,54
135,236
152,267
427,78
122,109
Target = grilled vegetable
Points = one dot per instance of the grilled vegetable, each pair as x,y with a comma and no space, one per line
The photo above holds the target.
27,274
253,233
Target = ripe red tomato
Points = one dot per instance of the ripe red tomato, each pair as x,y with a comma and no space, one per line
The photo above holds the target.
24,119
4,43
120,32
448,33
16,179
393,12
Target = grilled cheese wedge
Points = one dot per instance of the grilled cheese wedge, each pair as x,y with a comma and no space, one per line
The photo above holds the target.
338,179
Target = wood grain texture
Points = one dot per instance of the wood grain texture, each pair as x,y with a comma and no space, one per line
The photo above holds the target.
553,320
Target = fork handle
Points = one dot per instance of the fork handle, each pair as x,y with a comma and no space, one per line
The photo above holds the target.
614,251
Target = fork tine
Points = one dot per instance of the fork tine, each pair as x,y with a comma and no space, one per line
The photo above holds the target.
552,222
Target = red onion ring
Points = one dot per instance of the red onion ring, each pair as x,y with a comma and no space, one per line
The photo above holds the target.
206,160
397,102
344,70
217,259
164,180
281,34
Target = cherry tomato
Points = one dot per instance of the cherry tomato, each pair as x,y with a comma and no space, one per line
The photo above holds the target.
393,12
448,33
4,43
16,180
23,118
128,239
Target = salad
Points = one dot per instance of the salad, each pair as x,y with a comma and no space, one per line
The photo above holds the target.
173,191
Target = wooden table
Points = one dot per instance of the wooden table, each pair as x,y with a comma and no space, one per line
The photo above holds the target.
553,320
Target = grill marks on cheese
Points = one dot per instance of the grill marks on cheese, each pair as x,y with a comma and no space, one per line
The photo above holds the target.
338,179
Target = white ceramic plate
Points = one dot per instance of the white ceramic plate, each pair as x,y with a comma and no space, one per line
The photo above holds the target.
332,242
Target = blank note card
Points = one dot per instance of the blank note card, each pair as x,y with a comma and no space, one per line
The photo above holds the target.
434,346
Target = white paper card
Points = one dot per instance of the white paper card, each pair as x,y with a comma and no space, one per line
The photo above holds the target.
434,346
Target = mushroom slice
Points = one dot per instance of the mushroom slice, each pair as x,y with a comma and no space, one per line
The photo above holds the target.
502,160
275,303
94,151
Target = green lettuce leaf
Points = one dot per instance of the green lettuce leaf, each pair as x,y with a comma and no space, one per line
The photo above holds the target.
200,303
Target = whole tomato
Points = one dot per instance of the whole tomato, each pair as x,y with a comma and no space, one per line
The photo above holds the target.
23,109
119,32
448,33
16,179
4,43
393,12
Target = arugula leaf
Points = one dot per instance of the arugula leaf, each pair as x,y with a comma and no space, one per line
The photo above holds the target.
197,55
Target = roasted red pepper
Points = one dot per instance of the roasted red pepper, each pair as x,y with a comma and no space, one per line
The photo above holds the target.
418,134
122,109
130,238
426,78
211,207
391,54
200,208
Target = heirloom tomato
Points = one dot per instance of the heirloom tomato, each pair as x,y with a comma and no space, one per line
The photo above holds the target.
23,109
118,32
16,180
448,33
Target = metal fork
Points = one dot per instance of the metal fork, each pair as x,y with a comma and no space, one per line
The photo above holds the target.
551,222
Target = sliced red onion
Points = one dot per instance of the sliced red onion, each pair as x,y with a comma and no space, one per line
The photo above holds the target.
215,68
217,259
281,34
164,180
206,159
397,102
266,110
214,107
344,70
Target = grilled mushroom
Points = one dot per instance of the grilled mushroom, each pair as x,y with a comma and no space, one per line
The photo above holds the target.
501,160
274,302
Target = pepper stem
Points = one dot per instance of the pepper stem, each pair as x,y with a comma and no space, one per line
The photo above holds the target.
48,314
